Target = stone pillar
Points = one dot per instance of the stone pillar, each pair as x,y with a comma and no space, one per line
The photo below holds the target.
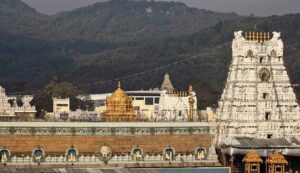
191,102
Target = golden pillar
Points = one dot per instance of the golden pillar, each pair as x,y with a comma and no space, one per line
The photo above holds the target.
252,162
191,102
276,163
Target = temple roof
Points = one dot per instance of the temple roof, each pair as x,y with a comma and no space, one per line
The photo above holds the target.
252,157
119,107
167,85
264,147
276,158
261,143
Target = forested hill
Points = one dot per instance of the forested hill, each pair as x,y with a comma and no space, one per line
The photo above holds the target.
117,38
123,20
111,21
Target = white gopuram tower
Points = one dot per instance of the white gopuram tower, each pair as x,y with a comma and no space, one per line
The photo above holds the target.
258,100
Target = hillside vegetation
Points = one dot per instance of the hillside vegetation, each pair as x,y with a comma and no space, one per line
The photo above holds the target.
119,37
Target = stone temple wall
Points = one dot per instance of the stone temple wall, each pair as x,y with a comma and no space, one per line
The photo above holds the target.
191,142
57,145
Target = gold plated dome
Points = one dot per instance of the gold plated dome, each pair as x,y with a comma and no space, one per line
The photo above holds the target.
119,107
119,96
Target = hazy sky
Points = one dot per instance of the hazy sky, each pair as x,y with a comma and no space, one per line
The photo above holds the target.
245,7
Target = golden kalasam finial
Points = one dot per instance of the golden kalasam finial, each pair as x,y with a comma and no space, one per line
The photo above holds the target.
119,84
257,35
250,36
265,36
261,36
268,36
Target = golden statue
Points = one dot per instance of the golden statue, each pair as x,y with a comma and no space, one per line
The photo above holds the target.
200,154
137,155
169,155
119,107
72,158
4,158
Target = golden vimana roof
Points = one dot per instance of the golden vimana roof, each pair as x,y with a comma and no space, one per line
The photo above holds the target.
252,156
119,95
119,107
276,158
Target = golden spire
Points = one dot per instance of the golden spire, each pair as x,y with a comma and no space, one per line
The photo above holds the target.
253,36
265,36
261,37
268,36
246,36
257,36
119,84
250,36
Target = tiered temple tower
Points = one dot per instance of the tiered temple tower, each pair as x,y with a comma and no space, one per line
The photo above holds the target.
167,85
258,100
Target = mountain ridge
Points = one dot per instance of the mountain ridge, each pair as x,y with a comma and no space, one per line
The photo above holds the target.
111,21
31,55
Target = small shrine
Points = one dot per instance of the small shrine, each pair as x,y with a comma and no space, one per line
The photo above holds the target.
276,163
9,112
252,162
119,107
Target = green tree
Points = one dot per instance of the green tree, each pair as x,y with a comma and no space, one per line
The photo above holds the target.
43,100
60,89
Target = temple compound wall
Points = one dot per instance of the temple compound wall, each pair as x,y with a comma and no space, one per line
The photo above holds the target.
107,143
